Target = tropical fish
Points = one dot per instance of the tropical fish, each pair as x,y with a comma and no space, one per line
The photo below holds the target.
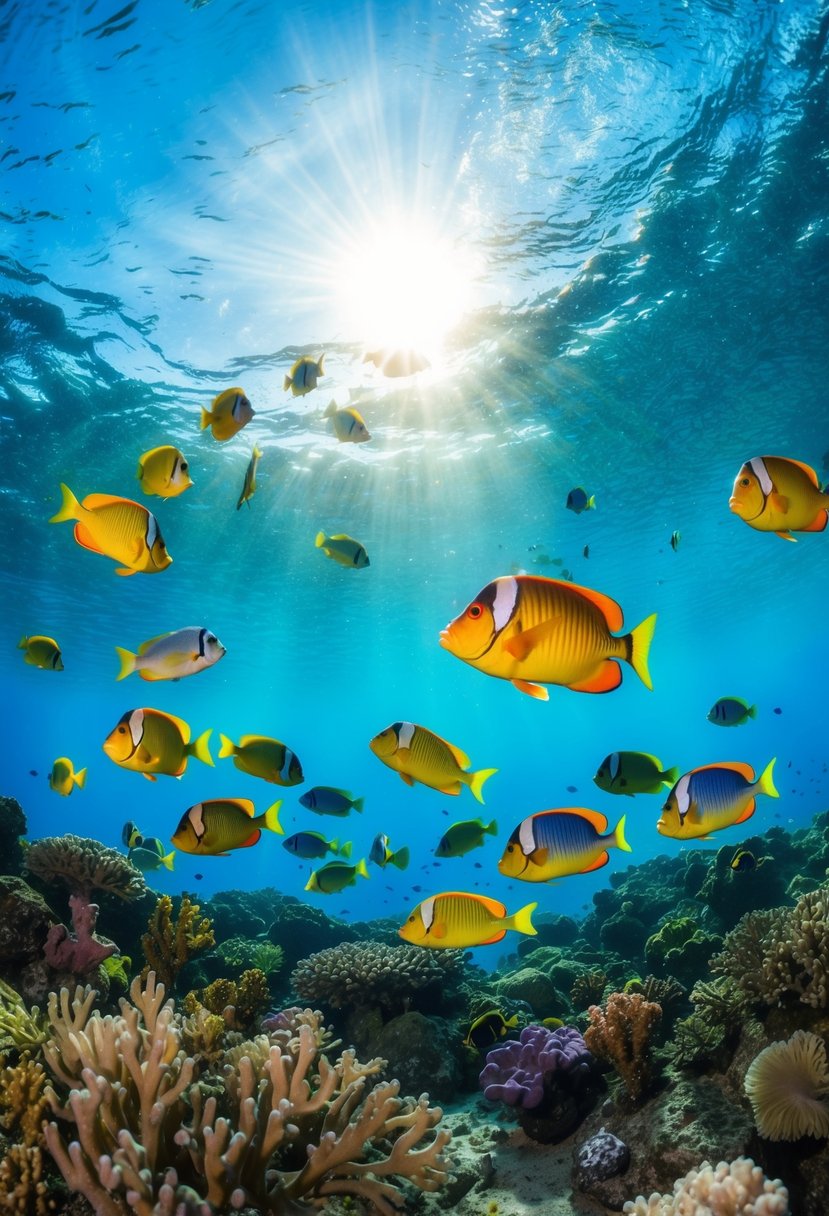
731,711
228,413
419,755
460,919
676,537
326,800
221,824
382,855
578,501
172,656
130,835
633,773
41,652
554,844
745,860
464,836
554,1023
303,376
585,551
533,630
335,876
713,797
118,528
313,844
348,423
149,741
343,549
776,494
395,362
261,756
164,471
149,855
249,486
63,777
488,1029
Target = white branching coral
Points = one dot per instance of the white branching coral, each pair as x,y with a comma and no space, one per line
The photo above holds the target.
786,1083
296,1127
738,1189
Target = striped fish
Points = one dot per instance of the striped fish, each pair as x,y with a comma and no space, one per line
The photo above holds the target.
221,824
348,423
419,755
553,844
459,919
713,797
118,528
303,376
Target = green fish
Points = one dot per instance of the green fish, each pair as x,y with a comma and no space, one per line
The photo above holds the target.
326,800
731,711
488,1029
464,836
383,856
314,844
633,773
335,877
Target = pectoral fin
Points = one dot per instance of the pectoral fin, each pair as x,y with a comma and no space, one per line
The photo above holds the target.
438,929
523,644
779,502
787,536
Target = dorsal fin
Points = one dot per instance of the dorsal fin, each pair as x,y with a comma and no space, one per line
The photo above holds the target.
145,646
596,818
609,609
807,469
94,502
736,766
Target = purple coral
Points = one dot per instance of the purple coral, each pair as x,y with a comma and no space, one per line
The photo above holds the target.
82,952
522,1072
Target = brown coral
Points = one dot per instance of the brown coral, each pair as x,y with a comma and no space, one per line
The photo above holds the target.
588,989
85,866
621,1034
372,973
169,944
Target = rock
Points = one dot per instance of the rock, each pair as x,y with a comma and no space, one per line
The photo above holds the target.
602,1156
421,1052
25,920
12,828
534,987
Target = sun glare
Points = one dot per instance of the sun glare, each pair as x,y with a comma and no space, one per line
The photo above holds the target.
404,286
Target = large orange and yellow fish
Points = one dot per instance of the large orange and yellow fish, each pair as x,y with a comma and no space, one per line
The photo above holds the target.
149,741
459,919
713,797
216,826
118,528
419,755
776,494
553,844
533,631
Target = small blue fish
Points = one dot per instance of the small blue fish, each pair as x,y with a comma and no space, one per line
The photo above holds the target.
313,844
326,800
382,855
578,501
731,711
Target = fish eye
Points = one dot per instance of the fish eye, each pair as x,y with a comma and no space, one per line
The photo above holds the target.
744,481
474,611
510,848
184,466
122,730
211,637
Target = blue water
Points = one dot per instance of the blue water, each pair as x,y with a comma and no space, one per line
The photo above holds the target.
641,191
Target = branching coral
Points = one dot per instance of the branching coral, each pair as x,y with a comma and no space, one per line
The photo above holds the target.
738,1189
785,1084
696,1041
238,1004
296,1129
169,944
18,1027
588,989
622,1034
242,953
85,866
370,973
23,1190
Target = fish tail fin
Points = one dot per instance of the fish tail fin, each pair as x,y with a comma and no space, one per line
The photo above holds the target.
286,384
80,778
199,748
127,662
70,508
168,860
358,804
344,850
270,819
521,921
320,363
320,540
331,409
491,829
591,503
478,779
206,419
227,748
765,782
752,712
23,643
670,776
360,868
639,644
256,451
400,858
619,836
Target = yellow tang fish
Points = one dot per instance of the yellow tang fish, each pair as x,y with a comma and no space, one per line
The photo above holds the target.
63,777
303,376
348,423
171,656
41,652
164,471
343,549
228,413
533,630
118,528
149,741
775,494
554,844
713,797
418,755
458,919
249,486
260,756
221,824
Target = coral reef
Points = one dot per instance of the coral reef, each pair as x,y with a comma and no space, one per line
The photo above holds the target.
81,951
20,1028
12,829
622,1034
738,1189
238,1004
785,1085
588,989
168,945
241,953
23,1188
84,866
371,973
680,948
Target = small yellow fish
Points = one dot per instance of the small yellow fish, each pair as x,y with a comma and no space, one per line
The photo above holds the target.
63,777
172,656
41,652
776,494
261,756
344,550
303,376
459,919
228,413
118,528
221,824
164,471
249,487
149,741
395,362
348,423
488,1029
713,797
419,755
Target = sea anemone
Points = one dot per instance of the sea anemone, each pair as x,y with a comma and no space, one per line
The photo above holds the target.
785,1084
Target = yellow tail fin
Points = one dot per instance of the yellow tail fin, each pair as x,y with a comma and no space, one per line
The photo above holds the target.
360,868
320,362
228,747
358,804
70,508
330,409
200,750
206,419
619,836
640,644
127,662
320,541
23,643
344,850
521,921
80,778
270,819
765,782
670,776
478,779
491,829
168,860
286,384
400,858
